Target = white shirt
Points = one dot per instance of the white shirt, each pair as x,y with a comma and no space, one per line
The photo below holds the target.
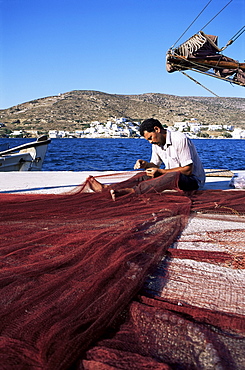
178,151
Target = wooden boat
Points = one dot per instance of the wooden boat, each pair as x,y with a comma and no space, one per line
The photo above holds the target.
200,53
25,157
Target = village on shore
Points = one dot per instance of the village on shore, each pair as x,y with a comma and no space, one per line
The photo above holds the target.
123,128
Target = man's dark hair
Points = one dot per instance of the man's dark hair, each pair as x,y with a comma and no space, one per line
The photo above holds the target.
149,124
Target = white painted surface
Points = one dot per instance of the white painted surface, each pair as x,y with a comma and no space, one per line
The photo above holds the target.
56,182
49,182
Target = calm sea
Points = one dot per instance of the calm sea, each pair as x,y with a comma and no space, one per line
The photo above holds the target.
121,154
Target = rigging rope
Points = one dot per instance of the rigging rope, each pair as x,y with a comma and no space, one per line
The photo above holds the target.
198,83
238,34
211,75
206,23
191,24
217,14
234,38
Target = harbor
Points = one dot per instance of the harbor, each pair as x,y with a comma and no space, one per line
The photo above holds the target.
119,253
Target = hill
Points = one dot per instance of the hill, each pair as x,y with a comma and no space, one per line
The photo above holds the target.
76,109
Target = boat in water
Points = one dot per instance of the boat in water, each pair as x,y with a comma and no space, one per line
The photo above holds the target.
25,157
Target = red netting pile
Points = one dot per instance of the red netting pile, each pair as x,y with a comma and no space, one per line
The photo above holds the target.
88,283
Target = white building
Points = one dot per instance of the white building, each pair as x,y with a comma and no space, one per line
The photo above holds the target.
121,120
79,133
238,134
114,127
228,127
180,125
108,125
17,133
63,133
54,134
215,127
101,129
128,132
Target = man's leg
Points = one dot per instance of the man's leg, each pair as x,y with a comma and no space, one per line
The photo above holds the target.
168,181
146,184
132,182
93,185
140,184
187,183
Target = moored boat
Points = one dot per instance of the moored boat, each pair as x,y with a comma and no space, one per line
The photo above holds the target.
25,157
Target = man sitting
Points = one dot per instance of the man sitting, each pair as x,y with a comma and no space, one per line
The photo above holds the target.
176,151
183,168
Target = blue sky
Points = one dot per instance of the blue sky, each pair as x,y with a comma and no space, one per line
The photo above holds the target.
49,47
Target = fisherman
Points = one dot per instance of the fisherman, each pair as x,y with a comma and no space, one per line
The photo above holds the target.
176,151
183,168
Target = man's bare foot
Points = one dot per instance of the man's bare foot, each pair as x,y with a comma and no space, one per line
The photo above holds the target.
95,185
113,194
118,193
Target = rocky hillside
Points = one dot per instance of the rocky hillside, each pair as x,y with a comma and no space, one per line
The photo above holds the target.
75,109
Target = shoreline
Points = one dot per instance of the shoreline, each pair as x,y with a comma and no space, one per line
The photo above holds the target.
111,137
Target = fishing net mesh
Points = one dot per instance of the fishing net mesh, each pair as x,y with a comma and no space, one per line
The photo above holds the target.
88,283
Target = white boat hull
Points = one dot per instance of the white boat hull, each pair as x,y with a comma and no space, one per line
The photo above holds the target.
26,157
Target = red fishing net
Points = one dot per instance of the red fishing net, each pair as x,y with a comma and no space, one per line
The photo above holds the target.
88,283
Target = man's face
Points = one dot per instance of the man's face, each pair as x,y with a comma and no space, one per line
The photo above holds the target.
155,137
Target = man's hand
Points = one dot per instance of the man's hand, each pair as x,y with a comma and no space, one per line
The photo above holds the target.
154,172
140,163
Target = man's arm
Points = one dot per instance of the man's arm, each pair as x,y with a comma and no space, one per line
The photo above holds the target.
155,172
140,163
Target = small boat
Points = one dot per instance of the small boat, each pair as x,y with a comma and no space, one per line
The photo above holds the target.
25,157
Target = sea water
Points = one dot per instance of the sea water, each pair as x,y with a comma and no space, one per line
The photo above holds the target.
121,154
